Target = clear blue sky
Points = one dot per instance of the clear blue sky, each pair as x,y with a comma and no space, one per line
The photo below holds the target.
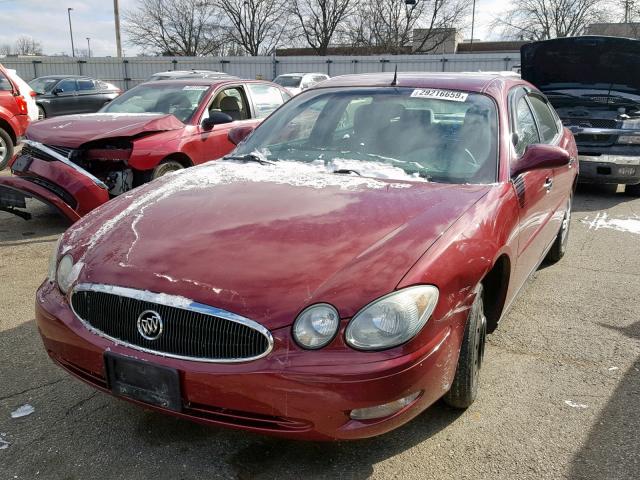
46,21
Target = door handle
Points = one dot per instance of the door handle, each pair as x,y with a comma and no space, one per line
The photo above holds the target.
548,184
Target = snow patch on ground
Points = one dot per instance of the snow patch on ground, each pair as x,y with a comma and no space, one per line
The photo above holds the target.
575,405
23,411
602,220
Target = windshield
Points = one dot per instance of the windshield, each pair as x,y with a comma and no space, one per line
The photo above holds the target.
178,100
288,81
419,134
43,85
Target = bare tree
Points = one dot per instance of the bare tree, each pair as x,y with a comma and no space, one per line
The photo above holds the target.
545,19
256,25
176,27
320,20
27,46
394,25
5,49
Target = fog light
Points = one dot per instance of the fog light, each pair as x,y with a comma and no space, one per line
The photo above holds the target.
383,410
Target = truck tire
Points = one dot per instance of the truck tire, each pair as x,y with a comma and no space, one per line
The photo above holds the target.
464,388
633,190
6,148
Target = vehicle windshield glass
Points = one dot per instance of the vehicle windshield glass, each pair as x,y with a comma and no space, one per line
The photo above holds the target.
43,85
420,134
288,81
178,100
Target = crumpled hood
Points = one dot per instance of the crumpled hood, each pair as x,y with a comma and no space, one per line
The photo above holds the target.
74,130
265,241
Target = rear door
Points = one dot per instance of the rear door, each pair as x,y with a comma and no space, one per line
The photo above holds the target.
533,189
89,97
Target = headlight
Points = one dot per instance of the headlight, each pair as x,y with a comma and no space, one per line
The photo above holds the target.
392,319
629,139
316,326
66,273
53,261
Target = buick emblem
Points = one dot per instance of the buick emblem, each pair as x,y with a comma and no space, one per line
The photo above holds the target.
150,324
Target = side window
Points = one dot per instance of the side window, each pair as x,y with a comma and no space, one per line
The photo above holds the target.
525,126
85,84
232,102
68,85
5,84
546,120
265,99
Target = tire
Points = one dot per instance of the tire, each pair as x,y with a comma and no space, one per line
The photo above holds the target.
6,148
464,388
41,113
166,166
633,190
559,247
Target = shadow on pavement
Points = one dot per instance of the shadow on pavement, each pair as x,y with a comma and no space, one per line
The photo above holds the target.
612,450
45,222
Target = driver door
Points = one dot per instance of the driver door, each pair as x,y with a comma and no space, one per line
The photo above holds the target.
213,144
533,190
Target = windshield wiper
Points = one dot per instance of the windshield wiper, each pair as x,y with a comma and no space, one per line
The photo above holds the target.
250,157
346,171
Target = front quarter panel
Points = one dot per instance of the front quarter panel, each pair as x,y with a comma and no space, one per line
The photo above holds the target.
460,259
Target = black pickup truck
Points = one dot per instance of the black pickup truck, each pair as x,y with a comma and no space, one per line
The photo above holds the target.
594,84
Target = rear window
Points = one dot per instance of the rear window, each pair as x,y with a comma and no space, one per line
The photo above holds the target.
288,81
5,84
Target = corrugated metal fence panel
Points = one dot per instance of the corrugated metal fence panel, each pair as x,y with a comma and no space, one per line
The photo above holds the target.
132,71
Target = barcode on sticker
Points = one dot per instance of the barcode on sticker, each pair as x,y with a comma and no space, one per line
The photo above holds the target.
440,94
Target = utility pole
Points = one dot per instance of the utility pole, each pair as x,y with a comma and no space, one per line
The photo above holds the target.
116,16
88,47
73,50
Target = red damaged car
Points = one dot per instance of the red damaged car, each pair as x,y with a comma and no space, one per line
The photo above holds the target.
78,162
336,274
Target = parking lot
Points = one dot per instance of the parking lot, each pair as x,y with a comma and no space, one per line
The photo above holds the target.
559,396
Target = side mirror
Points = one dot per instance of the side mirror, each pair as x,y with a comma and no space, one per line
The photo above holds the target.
57,91
215,118
539,156
238,134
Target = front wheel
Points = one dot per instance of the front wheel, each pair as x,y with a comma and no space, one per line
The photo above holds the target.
41,113
464,388
165,167
559,247
6,148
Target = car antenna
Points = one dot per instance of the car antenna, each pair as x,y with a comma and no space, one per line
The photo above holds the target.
394,82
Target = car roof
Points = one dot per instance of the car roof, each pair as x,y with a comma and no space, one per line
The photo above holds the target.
204,81
185,72
471,81
59,77
298,74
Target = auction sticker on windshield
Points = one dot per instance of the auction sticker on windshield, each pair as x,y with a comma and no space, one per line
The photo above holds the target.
440,94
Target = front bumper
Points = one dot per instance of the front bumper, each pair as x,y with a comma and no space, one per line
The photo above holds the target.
69,190
607,168
287,393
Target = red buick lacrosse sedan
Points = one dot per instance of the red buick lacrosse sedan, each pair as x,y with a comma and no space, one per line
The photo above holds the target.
336,274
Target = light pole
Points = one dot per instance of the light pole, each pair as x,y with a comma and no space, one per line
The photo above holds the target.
89,47
73,50
473,22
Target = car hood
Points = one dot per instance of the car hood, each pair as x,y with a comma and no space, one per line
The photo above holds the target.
74,130
583,62
265,241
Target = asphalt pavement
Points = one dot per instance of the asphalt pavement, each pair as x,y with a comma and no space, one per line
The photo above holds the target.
559,399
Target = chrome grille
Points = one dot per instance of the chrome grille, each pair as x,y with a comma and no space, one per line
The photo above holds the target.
190,331
590,122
